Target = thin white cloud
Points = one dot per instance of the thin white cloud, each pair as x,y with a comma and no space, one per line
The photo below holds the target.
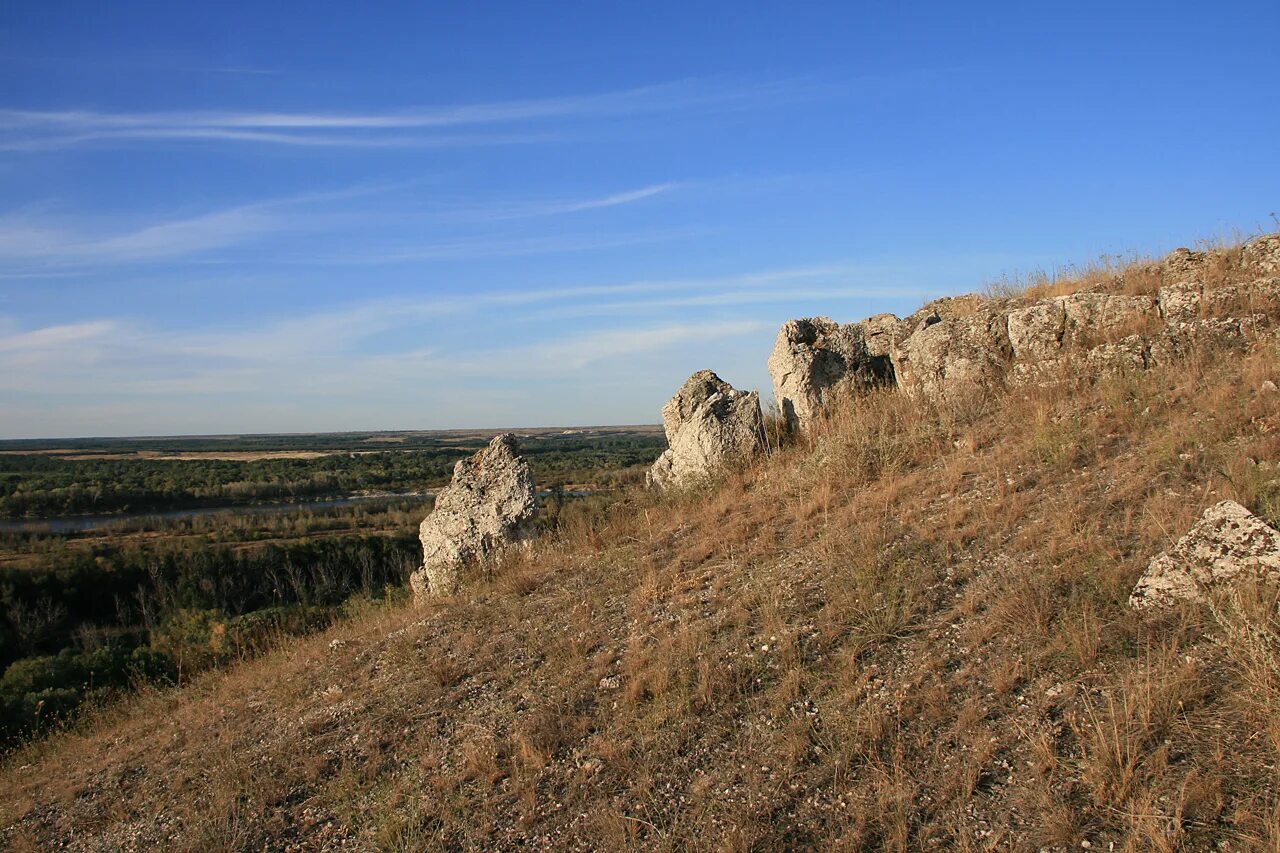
341,331
335,330
625,308
347,324
104,357
483,247
185,236
56,337
659,97
728,284
330,347
565,358
531,210
365,364
22,240
584,350
33,129
308,140
332,329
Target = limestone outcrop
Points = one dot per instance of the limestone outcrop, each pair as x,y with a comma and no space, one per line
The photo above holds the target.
1094,318
1210,334
1188,303
815,358
953,349
488,506
1180,303
1227,543
1036,331
1183,265
708,423
1261,255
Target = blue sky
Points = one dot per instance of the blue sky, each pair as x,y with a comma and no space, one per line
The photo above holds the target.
306,216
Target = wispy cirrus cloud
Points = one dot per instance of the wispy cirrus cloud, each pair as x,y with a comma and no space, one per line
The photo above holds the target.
312,348
589,348
497,212
110,357
410,360
411,126
504,246
57,337
24,241
333,329
24,238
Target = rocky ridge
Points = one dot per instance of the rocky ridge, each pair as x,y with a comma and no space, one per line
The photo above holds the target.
1142,318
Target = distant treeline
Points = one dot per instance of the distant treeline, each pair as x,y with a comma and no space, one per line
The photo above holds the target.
86,619
91,621
49,486
41,485
318,441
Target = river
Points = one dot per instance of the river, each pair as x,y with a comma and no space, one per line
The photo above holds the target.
81,523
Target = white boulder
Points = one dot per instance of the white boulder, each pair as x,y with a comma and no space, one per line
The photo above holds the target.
708,423
1226,544
489,505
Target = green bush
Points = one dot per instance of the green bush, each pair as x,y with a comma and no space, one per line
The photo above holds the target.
39,690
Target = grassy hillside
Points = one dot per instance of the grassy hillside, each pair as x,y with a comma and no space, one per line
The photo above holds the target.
906,631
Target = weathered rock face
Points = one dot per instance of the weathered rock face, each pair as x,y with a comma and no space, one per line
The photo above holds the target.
489,505
1202,301
815,358
708,423
1211,334
1126,355
944,308
1183,265
954,351
1041,330
1093,318
1262,255
1180,303
1242,299
1227,543
1036,331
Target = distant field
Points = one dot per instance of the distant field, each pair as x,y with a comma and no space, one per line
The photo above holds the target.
231,456
320,442
42,478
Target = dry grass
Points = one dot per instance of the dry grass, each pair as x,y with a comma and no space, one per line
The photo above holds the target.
904,631
1132,274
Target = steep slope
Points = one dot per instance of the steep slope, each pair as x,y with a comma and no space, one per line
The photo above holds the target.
904,630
